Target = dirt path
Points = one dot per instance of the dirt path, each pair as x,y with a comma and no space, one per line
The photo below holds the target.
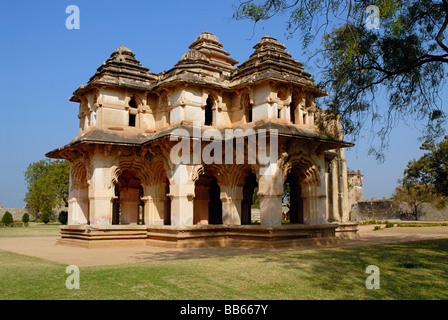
46,247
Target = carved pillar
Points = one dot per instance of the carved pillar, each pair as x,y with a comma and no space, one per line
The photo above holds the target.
231,197
78,204
154,204
129,201
270,188
181,194
101,191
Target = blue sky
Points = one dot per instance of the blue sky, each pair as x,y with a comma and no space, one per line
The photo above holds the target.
43,62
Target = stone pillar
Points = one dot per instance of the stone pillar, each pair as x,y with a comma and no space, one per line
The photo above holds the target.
101,191
154,204
78,205
335,190
231,197
182,195
315,198
129,202
270,210
100,204
345,209
270,187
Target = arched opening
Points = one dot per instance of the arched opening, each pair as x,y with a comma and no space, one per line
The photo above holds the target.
209,111
127,204
281,95
132,103
249,113
246,106
207,202
249,198
293,109
292,198
116,206
132,116
292,112
167,208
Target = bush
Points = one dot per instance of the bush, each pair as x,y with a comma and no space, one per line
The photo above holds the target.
45,218
17,224
389,224
7,219
377,228
63,217
26,218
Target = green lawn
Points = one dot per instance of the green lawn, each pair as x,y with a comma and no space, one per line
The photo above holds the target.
34,229
412,270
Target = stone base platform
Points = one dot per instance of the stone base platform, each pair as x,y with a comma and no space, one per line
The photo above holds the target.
103,236
347,230
255,236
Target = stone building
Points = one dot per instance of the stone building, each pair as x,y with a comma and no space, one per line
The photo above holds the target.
140,164
355,187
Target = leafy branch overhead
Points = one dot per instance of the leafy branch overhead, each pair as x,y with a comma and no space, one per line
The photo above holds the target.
405,58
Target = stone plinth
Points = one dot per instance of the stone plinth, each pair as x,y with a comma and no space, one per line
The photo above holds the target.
103,236
347,230
255,236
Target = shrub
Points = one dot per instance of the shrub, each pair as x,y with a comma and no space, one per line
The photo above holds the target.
389,224
17,224
25,218
63,216
377,228
45,218
7,218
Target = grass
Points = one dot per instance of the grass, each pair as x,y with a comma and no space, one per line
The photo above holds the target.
34,229
412,270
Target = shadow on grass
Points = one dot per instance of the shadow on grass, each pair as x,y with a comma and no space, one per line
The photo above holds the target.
411,270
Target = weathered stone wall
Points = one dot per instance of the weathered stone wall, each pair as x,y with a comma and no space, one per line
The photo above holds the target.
373,210
17,213
383,210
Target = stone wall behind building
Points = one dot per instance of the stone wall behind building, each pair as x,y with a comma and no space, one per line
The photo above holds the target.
383,209
17,213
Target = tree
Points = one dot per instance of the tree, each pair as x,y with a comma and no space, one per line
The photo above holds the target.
48,183
412,195
25,218
45,218
7,218
431,171
63,217
405,58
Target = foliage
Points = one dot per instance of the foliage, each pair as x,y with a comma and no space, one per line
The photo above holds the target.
255,199
45,218
48,183
389,224
368,222
405,58
7,218
431,170
377,228
25,218
413,195
436,224
63,217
